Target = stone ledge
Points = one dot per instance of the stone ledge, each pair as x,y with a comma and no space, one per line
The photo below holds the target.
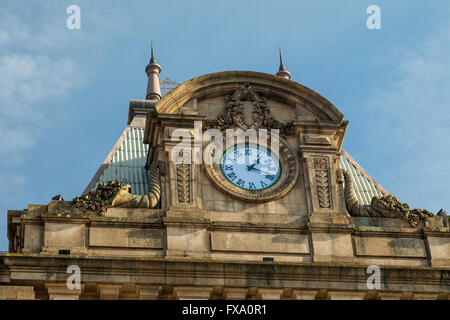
16,293
160,271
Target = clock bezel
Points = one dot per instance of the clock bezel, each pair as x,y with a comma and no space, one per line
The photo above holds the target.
289,171
257,146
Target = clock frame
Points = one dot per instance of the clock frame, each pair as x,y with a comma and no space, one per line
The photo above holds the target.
289,168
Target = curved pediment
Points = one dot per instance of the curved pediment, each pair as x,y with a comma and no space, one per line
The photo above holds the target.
272,87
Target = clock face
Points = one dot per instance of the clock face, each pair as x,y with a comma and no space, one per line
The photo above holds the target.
250,166
252,172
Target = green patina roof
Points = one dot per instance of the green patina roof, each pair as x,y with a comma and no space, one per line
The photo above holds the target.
126,164
365,186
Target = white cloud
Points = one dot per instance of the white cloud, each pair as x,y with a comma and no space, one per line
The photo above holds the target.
41,29
32,78
413,117
28,85
37,71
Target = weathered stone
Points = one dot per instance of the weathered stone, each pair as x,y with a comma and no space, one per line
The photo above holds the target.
189,239
259,242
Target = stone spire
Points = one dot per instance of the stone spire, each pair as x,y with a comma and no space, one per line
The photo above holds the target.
282,72
153,69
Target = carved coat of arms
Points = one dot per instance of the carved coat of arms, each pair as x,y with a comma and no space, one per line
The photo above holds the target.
260,118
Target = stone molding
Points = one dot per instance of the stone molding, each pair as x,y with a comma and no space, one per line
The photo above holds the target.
203,279
222,83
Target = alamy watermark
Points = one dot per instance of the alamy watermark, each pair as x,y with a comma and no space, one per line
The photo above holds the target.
74,280
374,20
74,19
374,280
197,147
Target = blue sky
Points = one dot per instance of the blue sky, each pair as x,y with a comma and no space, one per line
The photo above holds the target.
64,93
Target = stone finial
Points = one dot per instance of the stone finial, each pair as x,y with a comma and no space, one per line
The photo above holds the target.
282,72
153,89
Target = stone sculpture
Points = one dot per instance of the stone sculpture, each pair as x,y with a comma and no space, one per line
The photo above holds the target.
387,206
116,194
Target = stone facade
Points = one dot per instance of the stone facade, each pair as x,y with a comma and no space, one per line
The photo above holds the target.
200,242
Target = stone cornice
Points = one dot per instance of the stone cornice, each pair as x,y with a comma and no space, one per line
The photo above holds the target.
230,273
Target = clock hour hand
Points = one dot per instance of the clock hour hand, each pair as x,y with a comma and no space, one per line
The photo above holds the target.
262,171
250,167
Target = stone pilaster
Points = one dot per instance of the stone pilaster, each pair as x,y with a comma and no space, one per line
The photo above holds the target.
192,293
389,295
439,248
304,294
60,291
426,296
109,291
17,293
269,294
235,293
187,237
346,295
148,292
320,176
332,247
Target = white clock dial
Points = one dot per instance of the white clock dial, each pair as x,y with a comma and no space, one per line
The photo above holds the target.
250,166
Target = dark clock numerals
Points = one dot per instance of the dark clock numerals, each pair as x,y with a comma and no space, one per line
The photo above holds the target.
240,183
232,176
250,167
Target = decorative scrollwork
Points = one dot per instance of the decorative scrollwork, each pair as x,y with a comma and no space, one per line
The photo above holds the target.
322,181
184,182
261,116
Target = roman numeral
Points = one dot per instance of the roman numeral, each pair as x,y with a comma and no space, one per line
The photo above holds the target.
232,176
240,182
270,177
263,184
251,185
228,167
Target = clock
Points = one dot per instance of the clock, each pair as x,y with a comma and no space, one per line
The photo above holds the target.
250,166
253,172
